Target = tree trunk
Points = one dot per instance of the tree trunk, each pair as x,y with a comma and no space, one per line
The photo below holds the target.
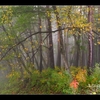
77,51
61,40
90,40
58,40
51,52
83,52
40,38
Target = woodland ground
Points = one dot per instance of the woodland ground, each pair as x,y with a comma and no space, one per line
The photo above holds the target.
52,81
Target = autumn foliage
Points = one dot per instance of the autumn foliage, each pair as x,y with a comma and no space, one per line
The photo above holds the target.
74,84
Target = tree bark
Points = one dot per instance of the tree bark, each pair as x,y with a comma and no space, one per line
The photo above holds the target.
90,57
40,38
61,40
51,52
58,63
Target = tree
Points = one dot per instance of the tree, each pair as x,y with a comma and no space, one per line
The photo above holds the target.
51,53
90,18
61,46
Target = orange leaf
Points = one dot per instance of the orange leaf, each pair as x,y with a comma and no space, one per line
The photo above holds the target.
74,84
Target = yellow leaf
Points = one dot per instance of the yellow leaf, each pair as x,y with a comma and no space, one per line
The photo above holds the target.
94,93
98,42
40,26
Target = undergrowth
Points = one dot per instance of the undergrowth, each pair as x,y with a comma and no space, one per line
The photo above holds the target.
52,81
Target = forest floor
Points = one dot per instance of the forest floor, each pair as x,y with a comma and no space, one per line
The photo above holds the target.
51,82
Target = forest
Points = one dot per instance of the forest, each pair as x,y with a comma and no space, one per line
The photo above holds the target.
50,49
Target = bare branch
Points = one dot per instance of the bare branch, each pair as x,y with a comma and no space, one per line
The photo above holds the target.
32,35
